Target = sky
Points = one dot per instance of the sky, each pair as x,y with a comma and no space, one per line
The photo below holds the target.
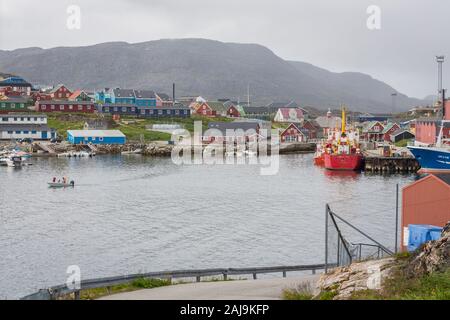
327,33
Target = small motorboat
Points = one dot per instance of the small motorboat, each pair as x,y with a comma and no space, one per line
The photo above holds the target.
61,184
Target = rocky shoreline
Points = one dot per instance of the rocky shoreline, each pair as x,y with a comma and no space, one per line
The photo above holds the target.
160,149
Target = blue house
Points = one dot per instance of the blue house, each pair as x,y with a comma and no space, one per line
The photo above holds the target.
103,96
96,137
123,96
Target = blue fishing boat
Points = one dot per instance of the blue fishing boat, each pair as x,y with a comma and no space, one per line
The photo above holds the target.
432,158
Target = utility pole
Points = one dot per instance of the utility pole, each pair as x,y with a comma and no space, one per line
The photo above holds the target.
394,102
396,220
440,61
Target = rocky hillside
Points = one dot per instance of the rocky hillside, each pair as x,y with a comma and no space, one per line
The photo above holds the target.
201,67
423,275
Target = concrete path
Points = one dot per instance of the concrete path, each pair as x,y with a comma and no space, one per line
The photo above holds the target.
263,289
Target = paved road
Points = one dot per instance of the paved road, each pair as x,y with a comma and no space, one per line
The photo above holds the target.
263,289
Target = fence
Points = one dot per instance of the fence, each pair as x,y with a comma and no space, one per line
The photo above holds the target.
341,252
55,292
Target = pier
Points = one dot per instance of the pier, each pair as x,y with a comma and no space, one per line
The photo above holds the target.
391,164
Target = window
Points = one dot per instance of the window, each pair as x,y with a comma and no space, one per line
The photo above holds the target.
25,132
80,107
61,107
43,107
160,112
10,132
53,107
13,105
17,132
33,131
177,112
100,138
3,105
70,106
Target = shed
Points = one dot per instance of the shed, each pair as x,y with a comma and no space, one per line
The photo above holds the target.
426,201
95,136
400,135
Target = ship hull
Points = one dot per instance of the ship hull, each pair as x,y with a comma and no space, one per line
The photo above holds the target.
347,162
319,161
432,159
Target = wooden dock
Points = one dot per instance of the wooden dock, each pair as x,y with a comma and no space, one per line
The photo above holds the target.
390,164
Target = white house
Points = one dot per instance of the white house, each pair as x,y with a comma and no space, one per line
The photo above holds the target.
293,115
25,126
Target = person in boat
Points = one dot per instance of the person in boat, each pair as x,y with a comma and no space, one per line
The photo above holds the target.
54,179
72,183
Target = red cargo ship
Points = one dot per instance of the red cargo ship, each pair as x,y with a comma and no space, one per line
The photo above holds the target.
343,152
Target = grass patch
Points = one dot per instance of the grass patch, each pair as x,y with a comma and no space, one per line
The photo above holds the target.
141,283
302,292
133,130
435,286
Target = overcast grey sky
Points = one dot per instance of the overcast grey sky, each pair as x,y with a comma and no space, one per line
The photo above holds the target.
328,33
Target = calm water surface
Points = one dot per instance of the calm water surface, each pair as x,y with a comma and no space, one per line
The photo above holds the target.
131,214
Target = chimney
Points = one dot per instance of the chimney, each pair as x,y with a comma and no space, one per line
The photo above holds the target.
173,92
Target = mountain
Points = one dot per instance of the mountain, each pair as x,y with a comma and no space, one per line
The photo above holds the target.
202,67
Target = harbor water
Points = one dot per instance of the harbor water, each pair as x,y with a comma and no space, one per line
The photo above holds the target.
129,214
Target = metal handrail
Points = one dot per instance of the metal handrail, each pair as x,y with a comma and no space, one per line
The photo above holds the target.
62,290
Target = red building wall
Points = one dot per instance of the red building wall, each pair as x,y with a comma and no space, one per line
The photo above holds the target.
55,106
205,110
426,201
387,135
233,112
291,132
61,93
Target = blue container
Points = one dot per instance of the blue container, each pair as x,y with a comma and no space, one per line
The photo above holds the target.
421,233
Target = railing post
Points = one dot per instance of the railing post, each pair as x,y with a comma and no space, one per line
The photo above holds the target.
225,277
284,274
313,271
254,276
326,238
197,278
76,295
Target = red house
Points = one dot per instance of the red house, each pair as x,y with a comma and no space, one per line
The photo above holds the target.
233,112
60,92
389,129
292,134
37,96
373,131
64,106
202,108
312,128
426,201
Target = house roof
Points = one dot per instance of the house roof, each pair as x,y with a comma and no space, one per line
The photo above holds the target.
14,81
163,96
15,100
297,127
286,112
96,133
144,94
256,110
400,131
22,127
77,93
55,102
367,126
121,93
53,90
389,126
217,106
328,122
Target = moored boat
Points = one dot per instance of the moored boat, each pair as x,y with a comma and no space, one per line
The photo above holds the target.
342,152
432,159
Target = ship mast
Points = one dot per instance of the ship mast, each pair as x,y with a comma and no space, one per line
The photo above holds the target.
343,120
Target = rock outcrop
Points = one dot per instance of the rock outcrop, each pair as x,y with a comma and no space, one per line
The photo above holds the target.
432,256
343,281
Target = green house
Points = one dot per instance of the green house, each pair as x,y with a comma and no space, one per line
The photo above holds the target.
14,104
